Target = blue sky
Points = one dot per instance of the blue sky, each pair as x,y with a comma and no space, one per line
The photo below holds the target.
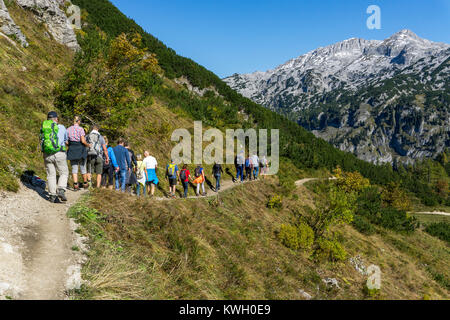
248,35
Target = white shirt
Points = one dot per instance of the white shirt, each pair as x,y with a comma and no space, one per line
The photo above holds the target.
150,163
255,161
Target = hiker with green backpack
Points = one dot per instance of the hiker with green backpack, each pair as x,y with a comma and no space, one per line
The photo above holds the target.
53,142
96,153
172,175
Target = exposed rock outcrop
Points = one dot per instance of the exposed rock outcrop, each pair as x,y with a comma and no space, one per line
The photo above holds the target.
9,27
58,25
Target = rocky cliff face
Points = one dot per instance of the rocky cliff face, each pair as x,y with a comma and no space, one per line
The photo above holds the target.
381,100
8,27
50,12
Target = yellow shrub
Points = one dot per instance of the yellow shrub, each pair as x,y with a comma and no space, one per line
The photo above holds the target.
350,181
289,236
330,250
394,196
275,202
305,236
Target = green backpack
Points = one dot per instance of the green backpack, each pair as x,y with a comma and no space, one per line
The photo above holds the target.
49,138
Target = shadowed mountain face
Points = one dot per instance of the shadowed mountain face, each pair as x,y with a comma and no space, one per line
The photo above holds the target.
378,99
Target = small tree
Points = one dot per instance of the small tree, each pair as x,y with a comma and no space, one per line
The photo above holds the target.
394,196
338,210
350,181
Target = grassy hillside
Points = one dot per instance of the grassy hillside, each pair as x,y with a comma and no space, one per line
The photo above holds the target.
228,247
27,80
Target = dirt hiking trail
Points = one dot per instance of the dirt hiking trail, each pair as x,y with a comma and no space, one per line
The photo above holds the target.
37,260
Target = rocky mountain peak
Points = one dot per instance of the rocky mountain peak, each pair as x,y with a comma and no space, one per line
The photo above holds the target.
304,85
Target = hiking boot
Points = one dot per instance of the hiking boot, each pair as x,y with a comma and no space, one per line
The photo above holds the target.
53,199
76,187
62,195
86,185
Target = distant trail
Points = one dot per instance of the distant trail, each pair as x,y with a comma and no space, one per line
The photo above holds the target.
224,185
436,213
306,180
228,184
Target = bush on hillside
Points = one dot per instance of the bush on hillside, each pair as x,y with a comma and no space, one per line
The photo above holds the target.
440,230
338,210
297,237
350,181
305,236
330,250
371,210
288,236
363,225
394,196
276,202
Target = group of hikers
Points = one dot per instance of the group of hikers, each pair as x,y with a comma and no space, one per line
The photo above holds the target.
251,167
120,168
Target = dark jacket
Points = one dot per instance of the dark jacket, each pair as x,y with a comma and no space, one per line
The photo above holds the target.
217,170
77,151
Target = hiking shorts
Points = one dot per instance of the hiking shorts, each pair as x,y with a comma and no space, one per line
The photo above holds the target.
172,182
95,165
78,164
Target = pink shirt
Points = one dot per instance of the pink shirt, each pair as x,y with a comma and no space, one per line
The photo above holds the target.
75,133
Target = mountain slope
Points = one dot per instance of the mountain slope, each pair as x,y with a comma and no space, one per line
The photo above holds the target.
318,90
229,246
27,79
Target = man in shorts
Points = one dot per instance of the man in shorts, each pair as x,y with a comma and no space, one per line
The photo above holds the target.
172,174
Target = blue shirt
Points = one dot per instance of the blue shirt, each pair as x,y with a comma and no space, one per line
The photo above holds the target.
112,157
122,157
62,135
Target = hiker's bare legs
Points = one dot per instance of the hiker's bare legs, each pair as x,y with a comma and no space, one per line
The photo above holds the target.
99,181
153,189
75,178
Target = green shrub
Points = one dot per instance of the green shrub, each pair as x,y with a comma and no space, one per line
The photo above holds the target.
289,236
363,225
330,250
305,236
275,202
370,211
396,220
440,230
